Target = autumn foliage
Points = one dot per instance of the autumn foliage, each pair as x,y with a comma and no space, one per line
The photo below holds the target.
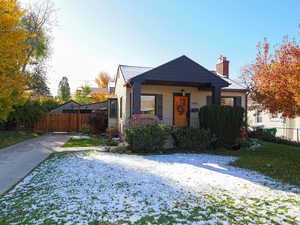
102,80
12,56
274,79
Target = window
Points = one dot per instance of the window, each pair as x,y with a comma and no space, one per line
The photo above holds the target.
121,107
258,116
228,101
113,108
148,104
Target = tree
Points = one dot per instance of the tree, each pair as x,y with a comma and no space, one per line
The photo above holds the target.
102,80
274,78
37,81
38,21
28,112
99,96
82,96
13,50
64,89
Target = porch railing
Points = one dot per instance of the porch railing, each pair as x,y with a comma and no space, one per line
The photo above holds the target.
193,122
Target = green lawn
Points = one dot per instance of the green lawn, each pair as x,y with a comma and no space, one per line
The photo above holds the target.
281,162
8,138
85,142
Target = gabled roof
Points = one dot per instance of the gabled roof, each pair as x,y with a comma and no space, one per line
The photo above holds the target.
181,69
95,105
234,85
132,71
70,101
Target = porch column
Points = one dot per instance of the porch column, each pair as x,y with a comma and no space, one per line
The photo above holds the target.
216,95
136,98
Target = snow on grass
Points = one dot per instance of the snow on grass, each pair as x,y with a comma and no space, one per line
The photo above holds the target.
106,188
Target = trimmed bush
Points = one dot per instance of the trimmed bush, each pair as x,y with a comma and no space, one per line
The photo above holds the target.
224,122
191,138
147,139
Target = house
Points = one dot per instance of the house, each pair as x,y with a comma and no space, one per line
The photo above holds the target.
288,128
173,91
68,107
74,107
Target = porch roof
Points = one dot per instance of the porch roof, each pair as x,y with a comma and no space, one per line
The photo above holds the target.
179,70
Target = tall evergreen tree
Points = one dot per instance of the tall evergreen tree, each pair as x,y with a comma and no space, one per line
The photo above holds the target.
64,89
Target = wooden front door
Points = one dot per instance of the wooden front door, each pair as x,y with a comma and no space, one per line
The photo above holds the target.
181,110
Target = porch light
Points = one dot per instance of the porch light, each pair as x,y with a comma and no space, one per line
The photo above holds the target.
183,92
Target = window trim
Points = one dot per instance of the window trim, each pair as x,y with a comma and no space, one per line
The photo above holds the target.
155,102
234,99
121,106
258,114
110,112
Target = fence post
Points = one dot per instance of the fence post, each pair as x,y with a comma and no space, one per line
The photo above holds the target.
297,134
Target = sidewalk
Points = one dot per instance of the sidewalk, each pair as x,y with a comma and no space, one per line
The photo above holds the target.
18,160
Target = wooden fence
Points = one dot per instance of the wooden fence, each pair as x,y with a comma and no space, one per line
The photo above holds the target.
52,122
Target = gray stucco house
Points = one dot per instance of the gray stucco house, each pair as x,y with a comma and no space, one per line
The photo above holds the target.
173,91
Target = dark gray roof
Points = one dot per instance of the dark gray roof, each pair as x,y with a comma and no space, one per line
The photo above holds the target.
181,69
95,106
71,104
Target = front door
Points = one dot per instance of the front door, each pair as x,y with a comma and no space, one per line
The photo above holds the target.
181,110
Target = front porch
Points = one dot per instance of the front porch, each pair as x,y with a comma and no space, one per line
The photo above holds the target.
174,105
184,82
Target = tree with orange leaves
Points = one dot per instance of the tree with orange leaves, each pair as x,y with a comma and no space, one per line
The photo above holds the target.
102,80
99,96
274,78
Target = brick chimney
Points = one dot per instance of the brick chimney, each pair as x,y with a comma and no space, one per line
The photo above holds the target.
222,66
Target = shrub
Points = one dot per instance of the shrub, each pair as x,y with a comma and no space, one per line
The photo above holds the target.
265,135
98,121
147,139
85,130
28,112
225,122
191,138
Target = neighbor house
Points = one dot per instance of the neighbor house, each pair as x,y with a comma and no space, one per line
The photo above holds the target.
72,106
174,92
288,128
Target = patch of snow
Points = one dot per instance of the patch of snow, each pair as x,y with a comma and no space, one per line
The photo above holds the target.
85,187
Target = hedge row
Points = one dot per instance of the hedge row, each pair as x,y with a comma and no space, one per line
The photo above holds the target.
152,138
221,124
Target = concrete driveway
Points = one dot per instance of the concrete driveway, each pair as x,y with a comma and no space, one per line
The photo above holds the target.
18,160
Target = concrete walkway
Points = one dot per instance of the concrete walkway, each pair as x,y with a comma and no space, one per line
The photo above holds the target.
18,160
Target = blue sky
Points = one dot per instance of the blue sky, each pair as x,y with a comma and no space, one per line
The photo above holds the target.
96,35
